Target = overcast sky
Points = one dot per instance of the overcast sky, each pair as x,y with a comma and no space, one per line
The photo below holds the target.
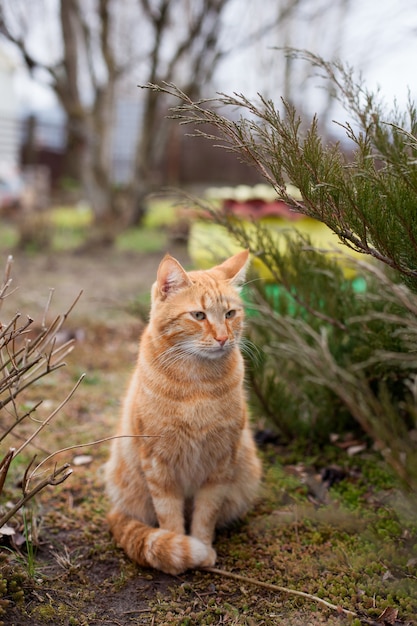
378,38
381,39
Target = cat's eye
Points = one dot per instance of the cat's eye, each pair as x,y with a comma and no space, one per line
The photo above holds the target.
198,315
230,314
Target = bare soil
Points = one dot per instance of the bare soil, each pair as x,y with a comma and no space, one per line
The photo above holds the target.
109,280
80,577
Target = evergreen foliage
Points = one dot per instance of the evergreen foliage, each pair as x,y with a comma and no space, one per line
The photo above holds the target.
331,356
368,200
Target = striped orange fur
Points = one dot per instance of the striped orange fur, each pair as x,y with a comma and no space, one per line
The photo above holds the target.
191,464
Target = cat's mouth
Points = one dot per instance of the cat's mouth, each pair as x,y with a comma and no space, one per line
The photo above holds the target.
217,352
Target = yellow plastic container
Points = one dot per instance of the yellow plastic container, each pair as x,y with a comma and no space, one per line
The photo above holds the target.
209,242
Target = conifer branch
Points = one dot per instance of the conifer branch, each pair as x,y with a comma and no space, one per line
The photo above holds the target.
360,200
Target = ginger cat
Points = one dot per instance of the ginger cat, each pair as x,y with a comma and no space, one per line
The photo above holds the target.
194,466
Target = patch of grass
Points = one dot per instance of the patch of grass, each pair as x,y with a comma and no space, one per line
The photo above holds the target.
69,226
364,549
9,236
142,240
12,582
71,217
67,240
28,522
162,212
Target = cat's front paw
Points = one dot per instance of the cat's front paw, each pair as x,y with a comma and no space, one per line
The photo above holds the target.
211,557
202,554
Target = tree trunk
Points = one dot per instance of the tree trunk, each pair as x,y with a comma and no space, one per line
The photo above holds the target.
96,169
74,151
108,221
143,161
138,205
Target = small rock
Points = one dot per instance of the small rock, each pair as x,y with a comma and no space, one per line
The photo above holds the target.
82,459
352,450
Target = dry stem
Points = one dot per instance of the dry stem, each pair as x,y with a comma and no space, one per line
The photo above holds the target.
55,478
288,591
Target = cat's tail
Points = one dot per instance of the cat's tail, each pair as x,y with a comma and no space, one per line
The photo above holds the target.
158,548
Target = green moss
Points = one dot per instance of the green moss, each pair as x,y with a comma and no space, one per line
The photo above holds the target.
12,582
46,612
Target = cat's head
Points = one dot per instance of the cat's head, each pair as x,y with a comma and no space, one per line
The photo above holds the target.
199,313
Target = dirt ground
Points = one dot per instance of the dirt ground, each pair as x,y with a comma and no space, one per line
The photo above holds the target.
109,281
80,577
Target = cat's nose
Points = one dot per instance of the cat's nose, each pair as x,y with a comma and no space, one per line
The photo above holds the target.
221,340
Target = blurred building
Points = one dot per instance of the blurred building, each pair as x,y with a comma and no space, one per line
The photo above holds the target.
9,123
183,160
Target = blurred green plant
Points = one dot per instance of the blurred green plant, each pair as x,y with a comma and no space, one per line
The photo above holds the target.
142,240
67,183
71,217
333,357
28,529
64,228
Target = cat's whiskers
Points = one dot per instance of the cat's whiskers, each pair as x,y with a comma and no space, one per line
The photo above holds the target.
185,350
250,349
180,352
171,357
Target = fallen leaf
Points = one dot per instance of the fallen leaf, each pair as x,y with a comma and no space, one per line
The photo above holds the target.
388,575
7,530
388,616
19,539
332,475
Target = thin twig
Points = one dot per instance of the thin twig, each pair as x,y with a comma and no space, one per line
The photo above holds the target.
48,304
288,591
85,445
8,270
30,382
6,329
56,478
6,280
4,466
71,308
49,418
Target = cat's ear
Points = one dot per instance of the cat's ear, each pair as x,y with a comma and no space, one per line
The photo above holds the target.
171,276
234,268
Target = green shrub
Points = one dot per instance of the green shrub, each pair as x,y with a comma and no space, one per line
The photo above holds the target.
333,357
330,354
